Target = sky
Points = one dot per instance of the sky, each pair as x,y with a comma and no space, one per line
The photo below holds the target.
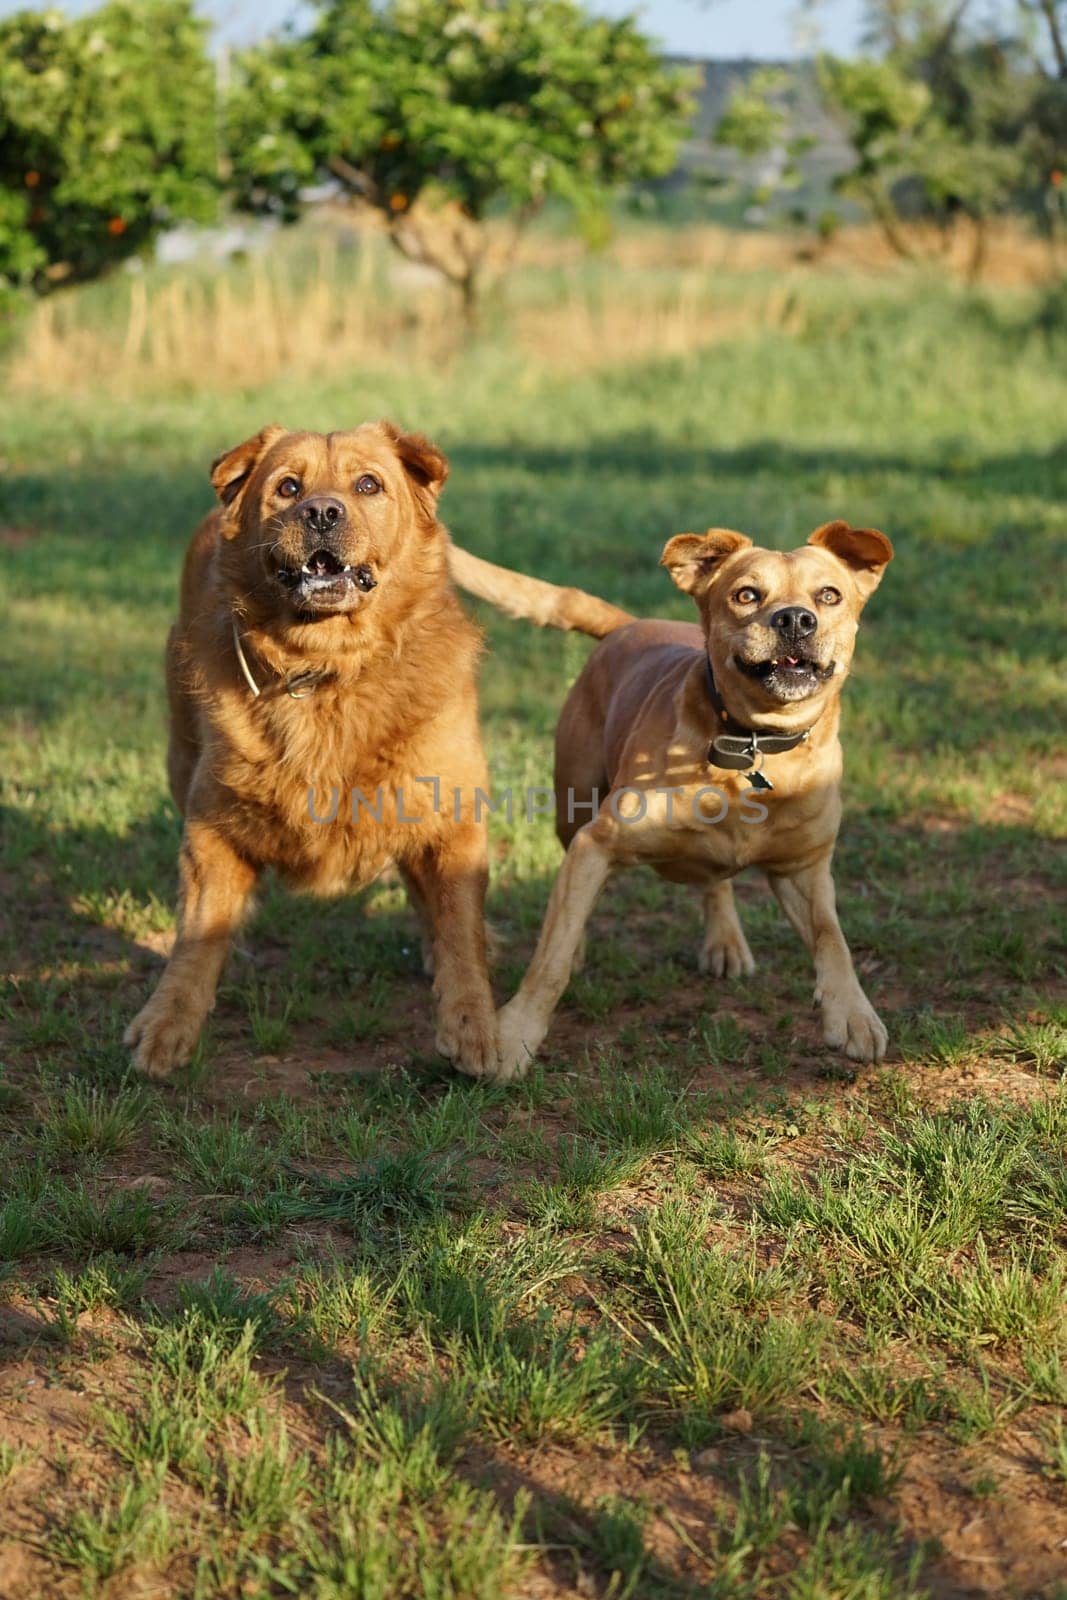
762,28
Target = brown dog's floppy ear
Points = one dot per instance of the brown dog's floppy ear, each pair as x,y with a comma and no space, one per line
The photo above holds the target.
230,472
425,464
865,551
691,558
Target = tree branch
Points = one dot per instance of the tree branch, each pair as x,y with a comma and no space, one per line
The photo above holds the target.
353,178
1059,46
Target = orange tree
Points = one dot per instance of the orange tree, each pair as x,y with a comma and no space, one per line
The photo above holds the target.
107,135
438,113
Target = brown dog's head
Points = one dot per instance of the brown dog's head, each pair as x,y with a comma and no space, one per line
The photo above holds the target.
313,520
780,626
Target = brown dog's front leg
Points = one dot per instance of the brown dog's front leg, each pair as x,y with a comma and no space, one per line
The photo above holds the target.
524,1020
449,882
215,885
850,1022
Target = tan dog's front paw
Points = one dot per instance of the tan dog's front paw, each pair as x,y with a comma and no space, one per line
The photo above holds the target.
726,956
163,1036
520,1034
466,1034
854,1027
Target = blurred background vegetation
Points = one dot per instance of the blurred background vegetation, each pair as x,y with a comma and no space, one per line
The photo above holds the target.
450,126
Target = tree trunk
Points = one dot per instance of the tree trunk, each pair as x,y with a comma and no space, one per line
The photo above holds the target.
886,216
978,249
470,297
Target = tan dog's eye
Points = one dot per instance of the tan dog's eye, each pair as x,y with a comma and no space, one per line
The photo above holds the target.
747,597
289,488
829,596
368,484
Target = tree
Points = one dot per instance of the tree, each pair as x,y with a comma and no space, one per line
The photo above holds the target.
107,135
952,118
993,127
439,113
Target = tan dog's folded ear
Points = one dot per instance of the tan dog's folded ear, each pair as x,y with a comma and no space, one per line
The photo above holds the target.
691,558
425,464
865,551
230,472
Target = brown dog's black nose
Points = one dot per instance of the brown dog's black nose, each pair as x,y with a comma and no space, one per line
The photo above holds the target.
320,514
794,622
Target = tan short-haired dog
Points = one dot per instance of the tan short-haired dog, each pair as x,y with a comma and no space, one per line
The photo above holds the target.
699,751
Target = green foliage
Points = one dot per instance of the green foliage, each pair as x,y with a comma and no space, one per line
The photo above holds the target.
107,135
953,116
962,117
755,119
477,105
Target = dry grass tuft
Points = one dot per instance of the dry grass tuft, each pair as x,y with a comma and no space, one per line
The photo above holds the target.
333,300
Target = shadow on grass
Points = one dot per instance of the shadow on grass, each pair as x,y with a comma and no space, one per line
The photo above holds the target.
955,920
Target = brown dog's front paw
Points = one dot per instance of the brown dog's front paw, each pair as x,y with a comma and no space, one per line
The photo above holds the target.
855,1028
466,1034
726,957
162,1037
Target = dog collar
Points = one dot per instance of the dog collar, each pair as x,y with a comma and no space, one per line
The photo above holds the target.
744,750
298,685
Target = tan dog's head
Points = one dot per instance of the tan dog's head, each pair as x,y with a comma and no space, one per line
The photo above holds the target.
313,520
780,626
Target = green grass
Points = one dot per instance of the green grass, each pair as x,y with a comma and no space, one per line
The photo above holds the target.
691,1312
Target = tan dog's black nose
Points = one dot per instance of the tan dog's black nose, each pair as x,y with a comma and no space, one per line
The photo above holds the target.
320,514
794,622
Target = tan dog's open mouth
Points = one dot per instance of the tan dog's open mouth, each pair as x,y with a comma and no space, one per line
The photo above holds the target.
787,677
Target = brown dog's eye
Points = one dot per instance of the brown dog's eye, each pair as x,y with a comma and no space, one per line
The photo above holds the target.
368,484
746,597
289,488
829,596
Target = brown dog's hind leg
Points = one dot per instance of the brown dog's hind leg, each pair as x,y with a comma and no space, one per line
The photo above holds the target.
524,1020
724,952
850,1022
215,885
450,882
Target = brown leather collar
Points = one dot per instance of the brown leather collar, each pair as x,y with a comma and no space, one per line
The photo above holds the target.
740,749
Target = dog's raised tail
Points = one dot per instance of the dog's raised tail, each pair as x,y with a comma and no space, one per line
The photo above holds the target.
550,605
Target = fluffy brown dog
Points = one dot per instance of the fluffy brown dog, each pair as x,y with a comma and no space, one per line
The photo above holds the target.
699,751
320,650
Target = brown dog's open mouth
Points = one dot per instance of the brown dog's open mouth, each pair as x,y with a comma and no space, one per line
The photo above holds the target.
325,582
787,676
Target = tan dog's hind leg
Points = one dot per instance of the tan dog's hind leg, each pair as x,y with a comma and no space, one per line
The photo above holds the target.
450,883
215,886
850,1022
524,1020
725,952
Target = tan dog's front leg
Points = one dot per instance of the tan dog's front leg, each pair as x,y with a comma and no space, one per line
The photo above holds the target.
524,1020
850,1022
215,883
449,883
725,952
